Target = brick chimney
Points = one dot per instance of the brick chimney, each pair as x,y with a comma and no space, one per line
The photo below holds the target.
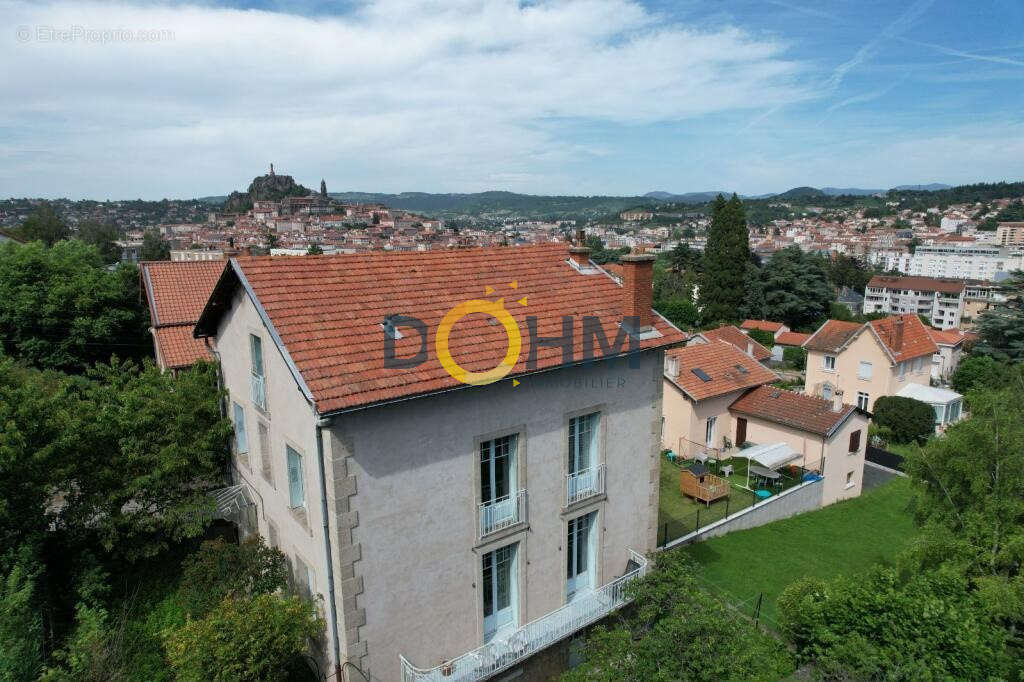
897,341
579,253
837,400
637,292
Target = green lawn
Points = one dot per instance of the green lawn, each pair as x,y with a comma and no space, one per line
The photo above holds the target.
847,537
679,515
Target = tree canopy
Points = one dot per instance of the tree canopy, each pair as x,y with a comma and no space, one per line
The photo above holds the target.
794,287
44,225
1002,327
722,283
905,420
154,246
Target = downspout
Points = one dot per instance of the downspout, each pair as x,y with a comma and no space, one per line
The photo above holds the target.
332,603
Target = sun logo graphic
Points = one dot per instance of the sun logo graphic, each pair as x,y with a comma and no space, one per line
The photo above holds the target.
495,309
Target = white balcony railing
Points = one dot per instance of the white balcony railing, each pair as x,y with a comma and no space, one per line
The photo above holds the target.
259,391
502,513
505,652
584,483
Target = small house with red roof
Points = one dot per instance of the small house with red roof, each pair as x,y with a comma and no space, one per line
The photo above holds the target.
176,292
865,361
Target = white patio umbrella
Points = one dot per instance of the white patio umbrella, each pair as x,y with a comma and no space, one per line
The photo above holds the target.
770,456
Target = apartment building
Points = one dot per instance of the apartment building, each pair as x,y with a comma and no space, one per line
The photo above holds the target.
940,300
964,261
868,360
449,530
1010,234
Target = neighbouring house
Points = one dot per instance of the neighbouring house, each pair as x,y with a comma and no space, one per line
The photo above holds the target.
776,329
951,344
948,405
868,360
824,435
447,530
701,381
731,334
788,340
851,298
940,300
176,292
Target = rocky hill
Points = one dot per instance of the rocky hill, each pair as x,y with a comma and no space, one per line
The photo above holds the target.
264,188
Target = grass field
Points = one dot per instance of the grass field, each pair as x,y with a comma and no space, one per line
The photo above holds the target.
844,538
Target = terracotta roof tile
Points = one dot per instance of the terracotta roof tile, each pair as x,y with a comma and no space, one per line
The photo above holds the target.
946,286
720,361
951,337
176,292
795,410
916,341
178,348
328,312
832,336
763,325
791,339
731,334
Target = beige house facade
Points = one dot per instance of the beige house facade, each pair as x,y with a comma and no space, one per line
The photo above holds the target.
432,524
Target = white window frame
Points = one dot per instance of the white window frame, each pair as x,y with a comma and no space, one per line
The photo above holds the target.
505,619
581,544
709,431
258,372
862,400
241,436
865,370
829,366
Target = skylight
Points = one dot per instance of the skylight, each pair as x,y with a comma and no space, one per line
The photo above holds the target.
701,374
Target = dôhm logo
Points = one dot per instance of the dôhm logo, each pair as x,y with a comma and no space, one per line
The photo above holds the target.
592,328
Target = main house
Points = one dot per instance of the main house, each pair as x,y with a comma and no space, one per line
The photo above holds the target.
449,529
865,361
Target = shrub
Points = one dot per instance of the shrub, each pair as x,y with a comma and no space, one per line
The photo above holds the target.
242,639
907,419
766,339
795,357
978,371
221,569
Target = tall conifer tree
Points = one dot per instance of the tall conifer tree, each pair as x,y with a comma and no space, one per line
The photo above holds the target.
725,261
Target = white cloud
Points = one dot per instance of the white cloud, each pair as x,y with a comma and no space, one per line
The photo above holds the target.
458,95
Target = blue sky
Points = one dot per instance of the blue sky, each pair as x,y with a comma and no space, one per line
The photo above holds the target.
594,97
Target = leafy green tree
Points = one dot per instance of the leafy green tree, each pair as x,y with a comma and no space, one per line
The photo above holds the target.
980,372
221,569
840,311
722,284
95,652
766,339
154,246
44,225
684,259
314,250
103,237
147,447
679,311
847,271
1002,327
676,631
796,288
61,308
21,627
247,638
887,625
795,357
907,420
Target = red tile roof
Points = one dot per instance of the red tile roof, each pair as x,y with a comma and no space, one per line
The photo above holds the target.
328,312
832,336
951,337
763,325
916,341
946,286
176,292
731,334
791,339
796,410
721,362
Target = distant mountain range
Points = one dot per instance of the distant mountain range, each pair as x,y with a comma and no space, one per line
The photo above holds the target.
795,193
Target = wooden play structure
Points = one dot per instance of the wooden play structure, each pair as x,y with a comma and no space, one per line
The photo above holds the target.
697,482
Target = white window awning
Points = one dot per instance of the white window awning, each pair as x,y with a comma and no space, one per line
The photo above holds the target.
772,455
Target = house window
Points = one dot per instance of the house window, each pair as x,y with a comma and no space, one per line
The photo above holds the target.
266,465
579,555
953,412
826,391
855,441
940,412
830,363
258,379
498,499
499,587
918,365
303,578
849,479
241,439
901,369
864,370
583,442
709,432
296,491
862,400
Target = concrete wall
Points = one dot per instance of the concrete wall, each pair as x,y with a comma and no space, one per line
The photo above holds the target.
415,469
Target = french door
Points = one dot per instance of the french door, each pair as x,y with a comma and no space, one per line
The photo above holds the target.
497,483
582,455
580,555
499,585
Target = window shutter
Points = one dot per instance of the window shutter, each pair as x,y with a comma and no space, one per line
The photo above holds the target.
855,441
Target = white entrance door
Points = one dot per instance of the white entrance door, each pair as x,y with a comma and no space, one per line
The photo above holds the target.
580,555
499,583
